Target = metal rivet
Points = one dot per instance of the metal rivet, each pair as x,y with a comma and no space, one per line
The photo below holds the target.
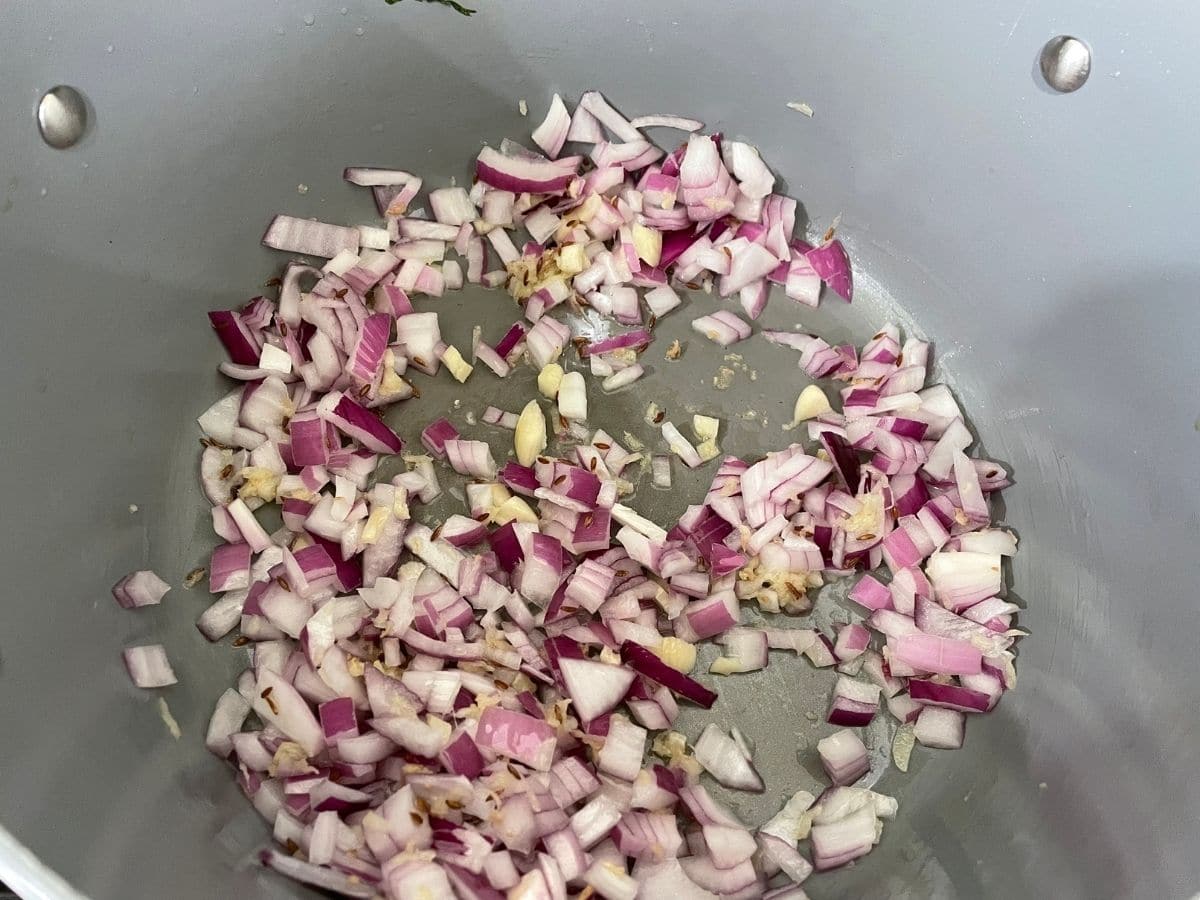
1066,63
62,116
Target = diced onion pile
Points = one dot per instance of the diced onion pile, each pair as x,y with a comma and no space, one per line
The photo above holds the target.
464,708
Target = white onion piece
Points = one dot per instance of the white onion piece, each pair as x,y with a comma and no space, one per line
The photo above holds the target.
724,760
843,756
231,711
939,728
572,397
623,378
754,178
722,327
149,667
595,103
660,470
552,133
680,445
677,122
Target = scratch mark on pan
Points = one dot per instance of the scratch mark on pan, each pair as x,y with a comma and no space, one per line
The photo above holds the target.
1020,16
1011,415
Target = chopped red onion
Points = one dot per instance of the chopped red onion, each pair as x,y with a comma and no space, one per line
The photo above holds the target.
552,133
843,756
660,470
371,177
940,728
852,641
148,666
839,842
435,435
520,175
237,338
708,189
950,696
677,122
595,103
929,653
595,687
832,264
471,458
227,719
963,579
222,616
748,263
637,340
624,747
585,127
646,663
724,760
745,651
228,570
324,877
680,445
145,588
545,341
854,702
517,736
483,649
307,237
722,327
451,206
359,423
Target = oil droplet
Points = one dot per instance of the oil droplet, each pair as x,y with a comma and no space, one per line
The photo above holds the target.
43,192
360,31
310,19
108,49
345,10
302,188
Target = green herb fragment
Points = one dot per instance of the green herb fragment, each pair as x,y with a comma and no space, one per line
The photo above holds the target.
453,4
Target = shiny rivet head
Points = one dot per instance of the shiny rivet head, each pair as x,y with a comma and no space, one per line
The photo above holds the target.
62,117
1066,63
